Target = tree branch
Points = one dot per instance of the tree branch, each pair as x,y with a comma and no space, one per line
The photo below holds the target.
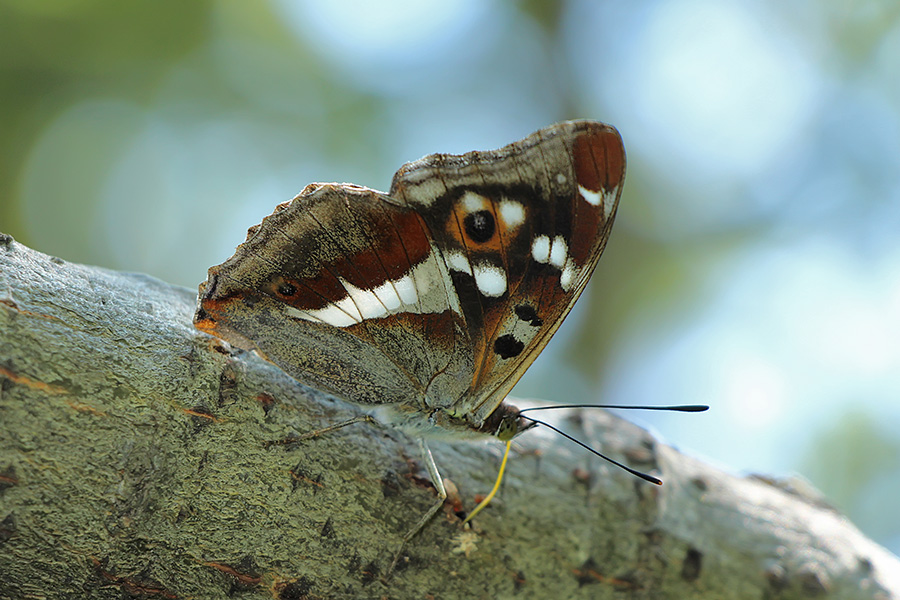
139,457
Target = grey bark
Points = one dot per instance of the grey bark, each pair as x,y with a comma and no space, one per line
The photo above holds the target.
141,458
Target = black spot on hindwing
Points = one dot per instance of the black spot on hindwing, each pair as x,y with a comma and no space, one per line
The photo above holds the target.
507,346
527,313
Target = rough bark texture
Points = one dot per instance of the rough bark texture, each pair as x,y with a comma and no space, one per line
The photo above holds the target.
137,460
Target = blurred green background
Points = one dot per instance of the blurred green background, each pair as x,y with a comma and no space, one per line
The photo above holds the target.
755,264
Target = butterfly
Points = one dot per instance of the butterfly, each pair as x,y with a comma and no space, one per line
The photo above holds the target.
431,300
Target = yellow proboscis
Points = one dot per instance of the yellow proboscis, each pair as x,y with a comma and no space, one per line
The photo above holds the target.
493,493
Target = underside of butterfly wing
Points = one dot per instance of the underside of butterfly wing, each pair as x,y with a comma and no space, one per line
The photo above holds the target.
432,299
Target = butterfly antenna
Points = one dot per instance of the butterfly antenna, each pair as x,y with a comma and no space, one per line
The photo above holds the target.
534,422
643,476
677,407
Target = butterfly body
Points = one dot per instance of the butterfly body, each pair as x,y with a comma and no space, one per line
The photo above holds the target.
429,301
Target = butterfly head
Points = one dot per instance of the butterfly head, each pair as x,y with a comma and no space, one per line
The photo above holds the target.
505,423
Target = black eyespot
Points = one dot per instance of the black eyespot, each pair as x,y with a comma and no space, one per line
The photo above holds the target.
480,226
287,289
506,346
527,313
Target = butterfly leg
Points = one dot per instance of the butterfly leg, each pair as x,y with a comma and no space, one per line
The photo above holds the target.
438,482
290,441
316,433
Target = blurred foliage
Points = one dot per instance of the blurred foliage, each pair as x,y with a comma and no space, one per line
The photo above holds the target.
850,461
57,52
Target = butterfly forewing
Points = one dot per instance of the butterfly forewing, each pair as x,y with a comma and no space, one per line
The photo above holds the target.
521,229
435,296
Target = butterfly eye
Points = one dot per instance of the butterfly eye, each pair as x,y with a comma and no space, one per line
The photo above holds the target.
480,226
508,428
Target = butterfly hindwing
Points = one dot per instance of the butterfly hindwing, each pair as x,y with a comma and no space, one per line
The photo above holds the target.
342,290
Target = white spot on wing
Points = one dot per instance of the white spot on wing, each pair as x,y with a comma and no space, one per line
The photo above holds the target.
560,178
540,249
473,202
512,213
366,302
592,198
568,276
558,252
388,295
423,290
490,279
348,306
406,288
458,261
330,314
607,200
